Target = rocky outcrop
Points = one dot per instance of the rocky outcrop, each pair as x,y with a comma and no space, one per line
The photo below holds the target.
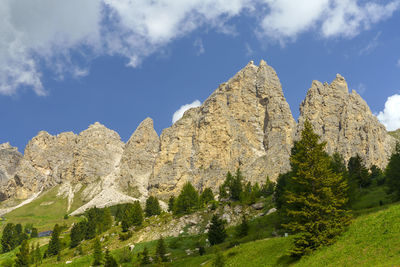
245,123
138,159
97,154
9,160
345,122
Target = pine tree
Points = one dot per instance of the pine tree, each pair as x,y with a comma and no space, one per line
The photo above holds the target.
171,204
216,231
188,200
358,173
316,197
236,187
243,228
97,253
206,196
38,255
23,257
152,207
106,220
137,214
9,238
145,259
34,232
161,250
110,261
54,243
392,172
77,233
224,189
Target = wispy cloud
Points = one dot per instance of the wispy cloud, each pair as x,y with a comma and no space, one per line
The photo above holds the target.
198,45
371,45
42,33
249,50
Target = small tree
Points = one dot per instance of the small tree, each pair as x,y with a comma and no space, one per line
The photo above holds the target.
219,260
161,250
206,196
236,187
110,261
34,232
152,207
23,258
137,214
392,172
145,259
54,243
97,253
77,233
188,199
216,230
171,203
37,255
9,238
243,228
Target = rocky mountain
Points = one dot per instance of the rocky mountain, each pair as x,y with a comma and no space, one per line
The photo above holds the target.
345,122
246,123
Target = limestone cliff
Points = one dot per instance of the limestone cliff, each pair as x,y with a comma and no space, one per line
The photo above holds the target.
9,160
138,159
345,122
245,123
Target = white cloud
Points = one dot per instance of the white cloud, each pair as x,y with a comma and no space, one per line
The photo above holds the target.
398,62
390,116
179,113
249,50
198,44
45,33
371,45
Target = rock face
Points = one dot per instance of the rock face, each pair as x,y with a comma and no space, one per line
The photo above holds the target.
345,122
245,123
9,160
138,159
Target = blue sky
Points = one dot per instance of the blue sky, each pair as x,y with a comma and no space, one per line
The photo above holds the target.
67,64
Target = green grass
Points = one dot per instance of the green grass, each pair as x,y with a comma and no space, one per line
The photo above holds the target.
395,134
371,240
370,197
44,212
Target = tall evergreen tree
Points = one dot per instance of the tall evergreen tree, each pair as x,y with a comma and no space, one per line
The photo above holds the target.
358,173
236,187
316,197
161,250
152,207
9,238
109,260
77,233
54,243
23,258
188,200
106,220
216,230
392,172
224,189
97,253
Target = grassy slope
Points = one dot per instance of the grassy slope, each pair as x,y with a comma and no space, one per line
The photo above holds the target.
44,212
395,134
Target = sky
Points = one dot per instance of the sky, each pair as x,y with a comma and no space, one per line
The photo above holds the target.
67,64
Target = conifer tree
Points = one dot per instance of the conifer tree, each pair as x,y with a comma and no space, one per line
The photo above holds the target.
358,173
9,238
54,243
145,259
23,257
109,260
137,214
206,196
188,200
37,255
77,233
97,253
216,231
219,260
392,172
106,220
243,228
34,232
152,207
161,250
224,189
316,197
236,187
171,203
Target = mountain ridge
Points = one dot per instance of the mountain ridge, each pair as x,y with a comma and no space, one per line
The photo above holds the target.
245,123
